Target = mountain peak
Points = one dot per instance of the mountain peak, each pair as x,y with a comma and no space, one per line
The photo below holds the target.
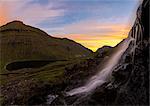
16,22
13,25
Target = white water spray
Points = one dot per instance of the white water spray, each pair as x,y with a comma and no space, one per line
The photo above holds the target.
104,74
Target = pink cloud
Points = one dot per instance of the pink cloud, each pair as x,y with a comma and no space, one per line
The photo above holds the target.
28,13
89,28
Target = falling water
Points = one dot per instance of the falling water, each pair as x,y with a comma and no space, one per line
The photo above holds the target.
137,33
104,74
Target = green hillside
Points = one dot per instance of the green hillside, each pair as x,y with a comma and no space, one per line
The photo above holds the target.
20,42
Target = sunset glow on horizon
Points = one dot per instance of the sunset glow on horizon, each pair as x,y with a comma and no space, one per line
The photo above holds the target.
92,23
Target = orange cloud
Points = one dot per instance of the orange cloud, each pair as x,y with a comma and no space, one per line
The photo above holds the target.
3,14
28,13
94,41
94,44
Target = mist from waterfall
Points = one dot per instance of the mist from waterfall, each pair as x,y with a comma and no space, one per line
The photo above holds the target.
105,73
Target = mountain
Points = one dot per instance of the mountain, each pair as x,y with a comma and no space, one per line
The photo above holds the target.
23,43
103,51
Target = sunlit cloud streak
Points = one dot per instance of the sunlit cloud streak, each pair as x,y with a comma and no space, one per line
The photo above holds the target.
28,13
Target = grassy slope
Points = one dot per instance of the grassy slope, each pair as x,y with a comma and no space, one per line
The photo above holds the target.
20,42
51,74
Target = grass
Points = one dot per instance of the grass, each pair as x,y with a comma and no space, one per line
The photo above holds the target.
53,72
20,42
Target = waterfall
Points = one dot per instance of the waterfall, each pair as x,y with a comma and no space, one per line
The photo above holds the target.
137,34
104,74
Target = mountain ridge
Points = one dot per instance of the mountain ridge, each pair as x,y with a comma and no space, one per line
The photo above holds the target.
21,23
22,41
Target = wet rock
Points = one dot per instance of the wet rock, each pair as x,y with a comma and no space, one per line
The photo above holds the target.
131,75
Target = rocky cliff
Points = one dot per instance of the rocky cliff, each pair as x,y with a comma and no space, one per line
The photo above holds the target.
133,87
130,82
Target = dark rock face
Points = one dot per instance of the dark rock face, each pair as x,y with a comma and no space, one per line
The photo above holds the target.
129,85
78,74
134,90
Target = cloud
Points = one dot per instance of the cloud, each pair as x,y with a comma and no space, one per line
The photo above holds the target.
37,13
30,13
92,28
97,41
4,15
93,34
95,44
8,9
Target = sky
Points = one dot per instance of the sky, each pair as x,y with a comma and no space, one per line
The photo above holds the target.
93,23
